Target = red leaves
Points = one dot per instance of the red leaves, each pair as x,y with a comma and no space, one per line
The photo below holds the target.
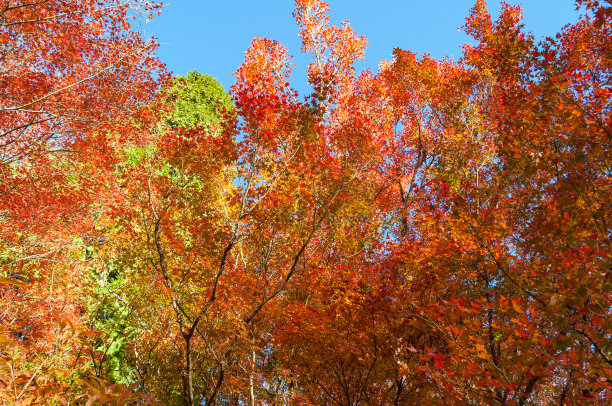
73,82
436,232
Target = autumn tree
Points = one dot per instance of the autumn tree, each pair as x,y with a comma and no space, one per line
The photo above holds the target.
436,232
507,245
224,224
497,203
388,239
70,72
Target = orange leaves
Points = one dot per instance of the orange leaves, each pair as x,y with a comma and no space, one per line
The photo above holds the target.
11,281
516,306
262,93
482,353
479,24
435,232
74,79
334,49
514,232
267,67
102,392
311,16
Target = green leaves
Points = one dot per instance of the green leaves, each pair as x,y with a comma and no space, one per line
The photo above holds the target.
197,100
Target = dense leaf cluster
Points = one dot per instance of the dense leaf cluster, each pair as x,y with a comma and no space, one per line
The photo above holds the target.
436,232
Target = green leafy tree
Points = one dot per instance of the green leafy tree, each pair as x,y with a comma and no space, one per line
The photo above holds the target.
197,99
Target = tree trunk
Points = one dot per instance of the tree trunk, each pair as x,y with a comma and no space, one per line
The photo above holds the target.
187,373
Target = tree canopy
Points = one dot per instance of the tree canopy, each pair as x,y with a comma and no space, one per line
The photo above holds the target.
435,232
197,99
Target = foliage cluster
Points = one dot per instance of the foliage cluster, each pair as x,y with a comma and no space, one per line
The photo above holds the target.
434,232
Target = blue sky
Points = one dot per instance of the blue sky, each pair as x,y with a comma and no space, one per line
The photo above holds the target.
212,36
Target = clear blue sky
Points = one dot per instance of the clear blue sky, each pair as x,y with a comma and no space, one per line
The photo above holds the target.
212,36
